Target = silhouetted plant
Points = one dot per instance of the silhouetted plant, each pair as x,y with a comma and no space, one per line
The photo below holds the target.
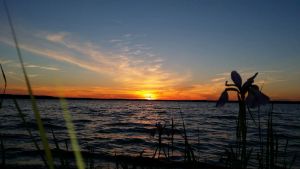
35,109
248,95
270,156
42,132
1,101
188,151
22,116
160,129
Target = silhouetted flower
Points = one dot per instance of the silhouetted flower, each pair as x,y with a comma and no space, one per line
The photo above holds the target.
248,83
254,96
248,94
236,78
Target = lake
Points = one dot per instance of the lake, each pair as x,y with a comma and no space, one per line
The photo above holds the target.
126,127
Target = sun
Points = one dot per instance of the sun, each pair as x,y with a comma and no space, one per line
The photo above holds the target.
146,94
149,96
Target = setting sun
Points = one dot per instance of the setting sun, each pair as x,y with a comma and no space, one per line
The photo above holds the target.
149,96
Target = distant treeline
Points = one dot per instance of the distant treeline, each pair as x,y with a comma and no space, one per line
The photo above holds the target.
10,96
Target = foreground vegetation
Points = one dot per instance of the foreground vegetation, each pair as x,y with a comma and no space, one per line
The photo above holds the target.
237,157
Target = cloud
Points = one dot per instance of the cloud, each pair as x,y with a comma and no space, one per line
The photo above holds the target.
130,68
33,75
223,74
218,79
41,67
14,76
5,61
57,37
115,40
127,35
13,63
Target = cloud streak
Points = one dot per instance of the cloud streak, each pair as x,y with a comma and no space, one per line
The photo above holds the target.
41,67
133,68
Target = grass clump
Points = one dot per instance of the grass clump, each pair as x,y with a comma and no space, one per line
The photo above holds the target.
74,143
249,97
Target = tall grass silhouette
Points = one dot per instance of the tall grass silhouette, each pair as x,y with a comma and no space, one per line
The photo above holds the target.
248,95
37,114
1,101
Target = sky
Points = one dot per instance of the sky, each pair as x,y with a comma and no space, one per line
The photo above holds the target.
167,49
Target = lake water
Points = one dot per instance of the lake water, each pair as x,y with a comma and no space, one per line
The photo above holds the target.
125,127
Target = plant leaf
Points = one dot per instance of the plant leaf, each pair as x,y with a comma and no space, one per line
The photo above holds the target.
250,100
236,78
34,106
5,85
223,99
256,97
72,134
248,83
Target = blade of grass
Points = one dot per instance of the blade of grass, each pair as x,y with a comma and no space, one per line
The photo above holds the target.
37,115
2,149
21,115
58,149
5,85
71,130
1,101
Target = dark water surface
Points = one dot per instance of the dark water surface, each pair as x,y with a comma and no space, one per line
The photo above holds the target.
125,127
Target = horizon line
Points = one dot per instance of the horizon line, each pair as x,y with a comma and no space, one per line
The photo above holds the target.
26,96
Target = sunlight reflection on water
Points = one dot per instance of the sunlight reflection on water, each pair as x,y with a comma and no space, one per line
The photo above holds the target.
125,127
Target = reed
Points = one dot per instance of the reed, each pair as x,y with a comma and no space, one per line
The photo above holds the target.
272,149
248,95
34,106
72,134
188,151
60,155
3,151
160,129
74,143
22,116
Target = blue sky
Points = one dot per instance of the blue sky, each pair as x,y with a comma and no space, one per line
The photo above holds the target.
184,48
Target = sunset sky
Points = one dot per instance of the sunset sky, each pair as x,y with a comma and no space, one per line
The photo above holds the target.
151,49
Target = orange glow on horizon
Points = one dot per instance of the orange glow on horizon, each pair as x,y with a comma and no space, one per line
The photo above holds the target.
147,95
203,93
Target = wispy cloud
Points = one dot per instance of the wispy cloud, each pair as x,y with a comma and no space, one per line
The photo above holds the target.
13,63
33,75
127,35
218,79
5,61
57,37
14,76
136,67
41,67
115,40
265,76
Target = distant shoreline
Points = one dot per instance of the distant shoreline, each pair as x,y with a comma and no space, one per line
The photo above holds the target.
10,96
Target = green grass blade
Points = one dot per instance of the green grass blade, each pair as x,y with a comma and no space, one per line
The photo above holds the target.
21,115
37,115
71,130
